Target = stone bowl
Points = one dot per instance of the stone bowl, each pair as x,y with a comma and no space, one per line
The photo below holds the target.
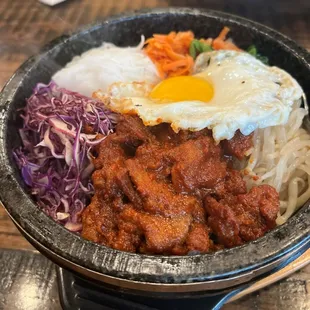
181,276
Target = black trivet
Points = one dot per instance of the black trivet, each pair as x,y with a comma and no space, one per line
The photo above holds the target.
79,293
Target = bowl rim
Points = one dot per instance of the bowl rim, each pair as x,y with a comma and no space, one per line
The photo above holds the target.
137,267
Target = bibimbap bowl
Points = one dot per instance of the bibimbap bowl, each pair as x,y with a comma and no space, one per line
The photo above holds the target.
148,274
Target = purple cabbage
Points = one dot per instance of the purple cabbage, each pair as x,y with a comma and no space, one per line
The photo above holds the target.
55,159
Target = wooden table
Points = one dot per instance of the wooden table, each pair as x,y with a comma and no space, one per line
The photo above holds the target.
26,25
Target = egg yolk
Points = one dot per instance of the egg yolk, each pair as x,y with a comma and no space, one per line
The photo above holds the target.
183,88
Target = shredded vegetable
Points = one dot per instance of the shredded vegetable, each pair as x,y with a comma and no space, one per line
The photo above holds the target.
60,128
221,43
174,53
170,53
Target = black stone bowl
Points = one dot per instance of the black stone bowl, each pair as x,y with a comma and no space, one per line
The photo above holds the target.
184,275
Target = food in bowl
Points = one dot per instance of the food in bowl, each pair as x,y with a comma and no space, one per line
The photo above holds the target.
188,142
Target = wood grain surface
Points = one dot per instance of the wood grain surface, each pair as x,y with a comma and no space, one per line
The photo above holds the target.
27,279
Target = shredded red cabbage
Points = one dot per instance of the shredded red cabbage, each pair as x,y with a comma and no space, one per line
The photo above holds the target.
56,160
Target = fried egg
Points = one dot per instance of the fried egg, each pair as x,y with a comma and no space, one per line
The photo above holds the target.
229,90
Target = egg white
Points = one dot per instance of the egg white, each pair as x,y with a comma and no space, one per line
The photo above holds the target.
247,95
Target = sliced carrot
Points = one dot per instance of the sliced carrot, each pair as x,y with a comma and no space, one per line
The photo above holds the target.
223,33
220,43
170,53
